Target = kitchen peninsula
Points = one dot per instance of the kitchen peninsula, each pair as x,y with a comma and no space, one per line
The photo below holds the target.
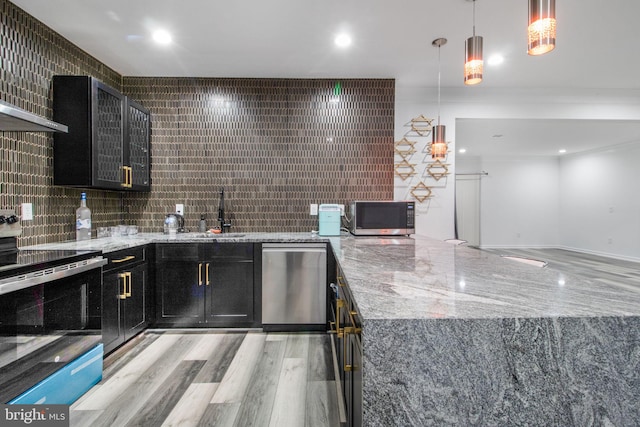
455,336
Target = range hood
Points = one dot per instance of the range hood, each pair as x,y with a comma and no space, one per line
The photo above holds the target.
16,119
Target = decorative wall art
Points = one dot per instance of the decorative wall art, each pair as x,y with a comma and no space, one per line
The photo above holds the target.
421,192
405,148
438,170
422,178
405,169
421,125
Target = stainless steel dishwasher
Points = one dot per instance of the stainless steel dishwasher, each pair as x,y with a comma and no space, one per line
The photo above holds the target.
294,286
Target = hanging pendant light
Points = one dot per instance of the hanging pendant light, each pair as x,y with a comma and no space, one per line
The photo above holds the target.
473,64
542,26
438,142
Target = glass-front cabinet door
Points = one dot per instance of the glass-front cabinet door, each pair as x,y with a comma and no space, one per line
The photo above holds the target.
108,135
137,142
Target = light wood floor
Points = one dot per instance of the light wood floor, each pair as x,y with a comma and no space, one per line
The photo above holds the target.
594,267
215,378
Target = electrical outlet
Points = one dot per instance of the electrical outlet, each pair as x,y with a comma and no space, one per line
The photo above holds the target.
313,209
180,209
26,212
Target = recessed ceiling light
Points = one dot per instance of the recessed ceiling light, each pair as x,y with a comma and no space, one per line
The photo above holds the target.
462,150
342,40
162,37
495,60
562,151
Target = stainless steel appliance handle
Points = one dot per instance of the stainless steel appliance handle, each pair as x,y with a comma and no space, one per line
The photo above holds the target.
23,281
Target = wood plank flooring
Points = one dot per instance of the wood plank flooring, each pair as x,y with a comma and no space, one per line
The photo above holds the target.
594,267
215,378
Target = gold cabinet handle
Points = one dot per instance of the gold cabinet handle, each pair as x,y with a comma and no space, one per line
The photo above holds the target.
127,258
127,178
200,274
207,273
346,367
339,305
128,289
124,177
130,177
123,277
352,317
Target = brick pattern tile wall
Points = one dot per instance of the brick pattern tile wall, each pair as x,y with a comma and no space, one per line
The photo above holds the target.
31,55
275,145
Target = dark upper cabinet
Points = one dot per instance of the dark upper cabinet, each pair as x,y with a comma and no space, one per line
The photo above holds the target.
108,143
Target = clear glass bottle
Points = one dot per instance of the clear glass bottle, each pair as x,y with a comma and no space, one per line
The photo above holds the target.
83,219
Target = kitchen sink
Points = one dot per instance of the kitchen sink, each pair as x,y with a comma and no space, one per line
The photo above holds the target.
219,236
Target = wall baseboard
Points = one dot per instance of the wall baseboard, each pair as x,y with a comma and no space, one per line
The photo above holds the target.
566,248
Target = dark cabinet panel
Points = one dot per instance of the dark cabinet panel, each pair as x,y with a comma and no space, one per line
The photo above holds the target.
112,328
107,146
125,297
180,293
346,328
209,284
230,293
135,315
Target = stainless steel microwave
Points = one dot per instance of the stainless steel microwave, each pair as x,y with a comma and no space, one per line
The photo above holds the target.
382,218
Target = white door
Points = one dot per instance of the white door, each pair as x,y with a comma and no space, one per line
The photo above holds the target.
468,208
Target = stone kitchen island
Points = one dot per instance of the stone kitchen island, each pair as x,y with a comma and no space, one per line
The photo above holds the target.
454,336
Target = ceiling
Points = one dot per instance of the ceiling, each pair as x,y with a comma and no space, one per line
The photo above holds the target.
391,39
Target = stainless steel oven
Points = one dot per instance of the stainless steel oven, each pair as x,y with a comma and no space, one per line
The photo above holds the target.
50,303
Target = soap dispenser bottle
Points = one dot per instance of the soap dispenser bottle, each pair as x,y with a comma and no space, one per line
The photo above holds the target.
202,227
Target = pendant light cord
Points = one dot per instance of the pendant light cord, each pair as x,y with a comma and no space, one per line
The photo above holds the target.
474,18
438,85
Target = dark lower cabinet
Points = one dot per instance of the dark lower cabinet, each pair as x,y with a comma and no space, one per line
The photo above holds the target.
346,328
206,284
125,296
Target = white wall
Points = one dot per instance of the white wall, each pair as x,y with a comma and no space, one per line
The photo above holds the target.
436,216
520,202
600,201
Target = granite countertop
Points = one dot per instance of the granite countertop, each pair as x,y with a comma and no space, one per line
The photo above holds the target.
112,244
424,278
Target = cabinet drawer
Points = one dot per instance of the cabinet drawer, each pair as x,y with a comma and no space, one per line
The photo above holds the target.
178,252
229,250
125,258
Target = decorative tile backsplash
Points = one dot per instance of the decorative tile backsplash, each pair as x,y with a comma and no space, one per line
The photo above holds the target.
30,55
275,145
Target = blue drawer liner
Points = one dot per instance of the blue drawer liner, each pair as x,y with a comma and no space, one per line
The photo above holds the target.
66,385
